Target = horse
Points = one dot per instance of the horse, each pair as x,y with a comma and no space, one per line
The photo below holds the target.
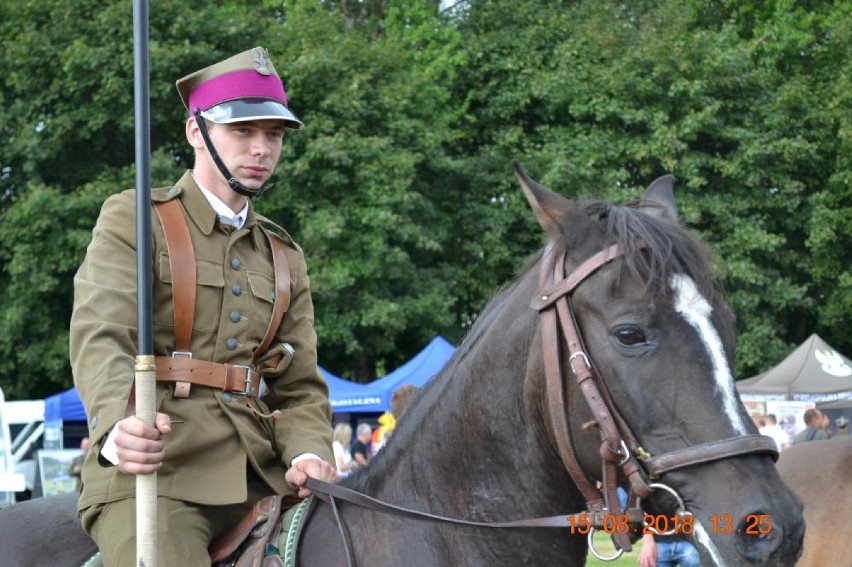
820,474
606,362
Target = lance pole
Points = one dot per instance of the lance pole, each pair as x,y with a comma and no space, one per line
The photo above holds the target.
145,372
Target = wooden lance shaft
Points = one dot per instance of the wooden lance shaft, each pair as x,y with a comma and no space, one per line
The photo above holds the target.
146,484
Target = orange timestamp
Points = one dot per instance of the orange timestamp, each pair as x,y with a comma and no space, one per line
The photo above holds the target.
679,524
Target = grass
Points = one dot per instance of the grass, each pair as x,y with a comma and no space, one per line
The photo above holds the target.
603,544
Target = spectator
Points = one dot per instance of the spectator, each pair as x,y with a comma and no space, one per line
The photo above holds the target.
667,551
388,420
842,428
815,430
76,469
342,455
772,429
361,446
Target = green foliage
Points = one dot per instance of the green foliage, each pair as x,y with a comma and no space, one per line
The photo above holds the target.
400,188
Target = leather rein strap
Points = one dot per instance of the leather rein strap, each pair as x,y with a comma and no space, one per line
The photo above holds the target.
330,493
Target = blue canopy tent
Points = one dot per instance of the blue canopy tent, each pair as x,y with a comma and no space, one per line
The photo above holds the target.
64,406
351,397
417,371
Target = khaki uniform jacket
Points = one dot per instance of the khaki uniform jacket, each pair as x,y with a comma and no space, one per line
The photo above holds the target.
207,455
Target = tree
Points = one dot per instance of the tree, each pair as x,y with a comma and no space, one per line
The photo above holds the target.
400,187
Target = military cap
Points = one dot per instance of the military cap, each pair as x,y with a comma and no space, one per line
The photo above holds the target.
241,88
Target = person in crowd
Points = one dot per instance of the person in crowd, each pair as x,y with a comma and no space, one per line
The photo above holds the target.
772,429
842,428
663,550
76,468
815,422
342,440
360,449
242,411
387,421
667,551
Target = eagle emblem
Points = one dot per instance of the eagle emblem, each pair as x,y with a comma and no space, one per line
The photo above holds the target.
260,58
832,363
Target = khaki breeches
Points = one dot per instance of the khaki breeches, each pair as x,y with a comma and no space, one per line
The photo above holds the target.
184,529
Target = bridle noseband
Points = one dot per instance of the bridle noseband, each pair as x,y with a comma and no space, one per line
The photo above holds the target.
619,446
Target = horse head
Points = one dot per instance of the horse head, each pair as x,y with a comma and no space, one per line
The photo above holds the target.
644,378
533,409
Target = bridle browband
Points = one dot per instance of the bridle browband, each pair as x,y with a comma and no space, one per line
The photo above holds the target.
619,447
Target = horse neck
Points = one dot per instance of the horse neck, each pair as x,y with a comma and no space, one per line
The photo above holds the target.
474,440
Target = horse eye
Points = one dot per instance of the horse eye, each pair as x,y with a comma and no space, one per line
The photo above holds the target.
629,336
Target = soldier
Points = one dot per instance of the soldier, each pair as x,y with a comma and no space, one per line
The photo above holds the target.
232,312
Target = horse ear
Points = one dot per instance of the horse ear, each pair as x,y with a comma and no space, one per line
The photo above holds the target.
659,198
549,207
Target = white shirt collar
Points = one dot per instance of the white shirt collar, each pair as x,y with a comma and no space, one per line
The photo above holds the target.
223,211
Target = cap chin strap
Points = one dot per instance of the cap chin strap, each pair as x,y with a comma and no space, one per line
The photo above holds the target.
232,181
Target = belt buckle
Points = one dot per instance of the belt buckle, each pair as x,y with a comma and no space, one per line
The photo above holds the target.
247,391
182,387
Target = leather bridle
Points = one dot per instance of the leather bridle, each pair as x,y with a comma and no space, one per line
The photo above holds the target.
619,446
619,449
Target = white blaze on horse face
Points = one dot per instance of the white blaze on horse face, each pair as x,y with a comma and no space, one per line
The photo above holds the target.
702,538
696,310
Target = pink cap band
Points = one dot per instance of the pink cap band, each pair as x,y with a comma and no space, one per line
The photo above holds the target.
246,83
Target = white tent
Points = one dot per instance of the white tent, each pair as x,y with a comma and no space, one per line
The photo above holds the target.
814,367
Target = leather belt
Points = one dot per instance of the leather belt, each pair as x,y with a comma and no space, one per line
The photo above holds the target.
184,371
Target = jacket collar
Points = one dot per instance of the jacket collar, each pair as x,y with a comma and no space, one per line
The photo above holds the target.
202,214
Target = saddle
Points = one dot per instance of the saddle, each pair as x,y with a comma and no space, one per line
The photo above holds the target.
254,541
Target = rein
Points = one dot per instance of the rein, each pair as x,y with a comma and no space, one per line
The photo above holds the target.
620,449
619,446
330,493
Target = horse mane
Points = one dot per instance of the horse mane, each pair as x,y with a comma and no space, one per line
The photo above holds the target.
655,249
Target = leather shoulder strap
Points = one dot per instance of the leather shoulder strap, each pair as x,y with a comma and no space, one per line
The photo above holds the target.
182,267
282,292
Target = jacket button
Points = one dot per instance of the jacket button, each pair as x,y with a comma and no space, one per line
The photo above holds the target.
235,264
226,397
235,317
236,289
95,422
231,343
272,296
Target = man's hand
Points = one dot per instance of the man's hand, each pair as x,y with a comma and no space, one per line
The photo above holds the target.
297,475
648,555
141,447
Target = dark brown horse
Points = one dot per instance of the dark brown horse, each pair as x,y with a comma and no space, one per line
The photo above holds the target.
820,473
532,410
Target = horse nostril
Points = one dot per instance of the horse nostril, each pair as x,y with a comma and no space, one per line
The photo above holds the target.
757,536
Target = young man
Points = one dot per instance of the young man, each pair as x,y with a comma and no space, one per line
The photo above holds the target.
816,423
222,277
